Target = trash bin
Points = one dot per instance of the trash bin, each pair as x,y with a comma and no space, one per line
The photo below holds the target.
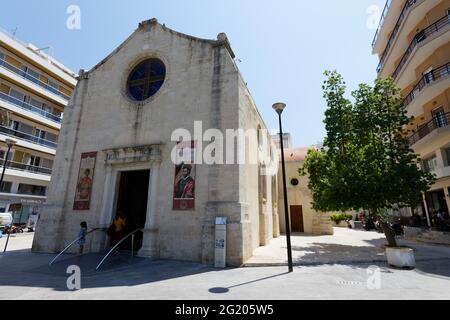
220,243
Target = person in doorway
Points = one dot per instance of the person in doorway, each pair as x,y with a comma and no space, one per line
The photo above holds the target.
82,237
119,222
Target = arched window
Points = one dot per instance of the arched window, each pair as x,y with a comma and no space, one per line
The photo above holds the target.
146,79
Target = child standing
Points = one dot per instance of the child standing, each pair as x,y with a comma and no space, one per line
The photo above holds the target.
82,237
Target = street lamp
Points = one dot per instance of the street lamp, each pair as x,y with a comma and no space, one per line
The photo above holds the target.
10,144
279,108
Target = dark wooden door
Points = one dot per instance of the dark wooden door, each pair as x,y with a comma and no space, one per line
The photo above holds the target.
297,219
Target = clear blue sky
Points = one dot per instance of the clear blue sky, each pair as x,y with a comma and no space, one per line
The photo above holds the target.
284,45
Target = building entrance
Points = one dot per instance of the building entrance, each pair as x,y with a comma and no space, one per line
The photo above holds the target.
132,204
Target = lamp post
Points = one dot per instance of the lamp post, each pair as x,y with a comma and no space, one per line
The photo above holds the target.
10,144
279,108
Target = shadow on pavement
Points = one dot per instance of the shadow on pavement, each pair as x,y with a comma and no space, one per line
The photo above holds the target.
25,269
430,259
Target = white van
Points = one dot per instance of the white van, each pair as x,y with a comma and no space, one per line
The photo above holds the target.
6,219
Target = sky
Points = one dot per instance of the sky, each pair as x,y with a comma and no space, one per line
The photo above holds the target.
282,47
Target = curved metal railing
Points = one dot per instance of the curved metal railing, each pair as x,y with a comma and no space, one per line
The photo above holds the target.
118,244
70,245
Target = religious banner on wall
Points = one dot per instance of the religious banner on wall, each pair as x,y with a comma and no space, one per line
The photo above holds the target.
184,185
85,181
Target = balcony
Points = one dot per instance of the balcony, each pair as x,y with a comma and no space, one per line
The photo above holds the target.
438,122
33,79
26,106
419,38
427,80
28,137
394,33
26,167
380,25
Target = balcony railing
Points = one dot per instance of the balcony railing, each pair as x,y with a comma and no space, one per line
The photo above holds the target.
33,79
380,25
26,167
394,33
27,137
26,106
420,37
426,80
439,121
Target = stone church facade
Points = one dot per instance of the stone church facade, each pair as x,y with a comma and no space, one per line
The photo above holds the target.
116,144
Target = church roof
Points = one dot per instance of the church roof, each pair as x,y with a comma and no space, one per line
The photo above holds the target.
221,40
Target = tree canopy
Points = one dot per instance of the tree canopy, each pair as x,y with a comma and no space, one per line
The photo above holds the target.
366,161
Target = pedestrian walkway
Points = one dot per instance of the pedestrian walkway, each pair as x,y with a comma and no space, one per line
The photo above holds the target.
346,246
25,276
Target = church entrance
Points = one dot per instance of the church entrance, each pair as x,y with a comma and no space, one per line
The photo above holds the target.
132,204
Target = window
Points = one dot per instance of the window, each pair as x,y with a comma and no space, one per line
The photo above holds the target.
447,154
31,75
14,125
39,134
3,153
47,163
31,189
5,187
53,87
428,75
439,117
430,164
146,79
20,97
46,108
35,103
53,84
51,137
35,161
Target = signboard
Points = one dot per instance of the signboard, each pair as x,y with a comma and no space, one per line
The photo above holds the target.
85,181
185,170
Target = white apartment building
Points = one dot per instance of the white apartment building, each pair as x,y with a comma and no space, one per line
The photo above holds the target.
34,90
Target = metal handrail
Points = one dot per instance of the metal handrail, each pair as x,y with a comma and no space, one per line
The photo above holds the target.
33,79
381,23
70,245
28,137
438,122
118,244
420,37
26,106
26,167
395,31
426,80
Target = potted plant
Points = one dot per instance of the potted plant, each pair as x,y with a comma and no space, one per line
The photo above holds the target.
366,161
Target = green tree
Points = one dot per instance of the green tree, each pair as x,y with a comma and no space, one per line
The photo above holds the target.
366,161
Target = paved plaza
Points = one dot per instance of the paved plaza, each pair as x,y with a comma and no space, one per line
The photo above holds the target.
26,275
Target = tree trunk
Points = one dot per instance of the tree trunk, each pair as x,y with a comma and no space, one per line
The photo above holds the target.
389,233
